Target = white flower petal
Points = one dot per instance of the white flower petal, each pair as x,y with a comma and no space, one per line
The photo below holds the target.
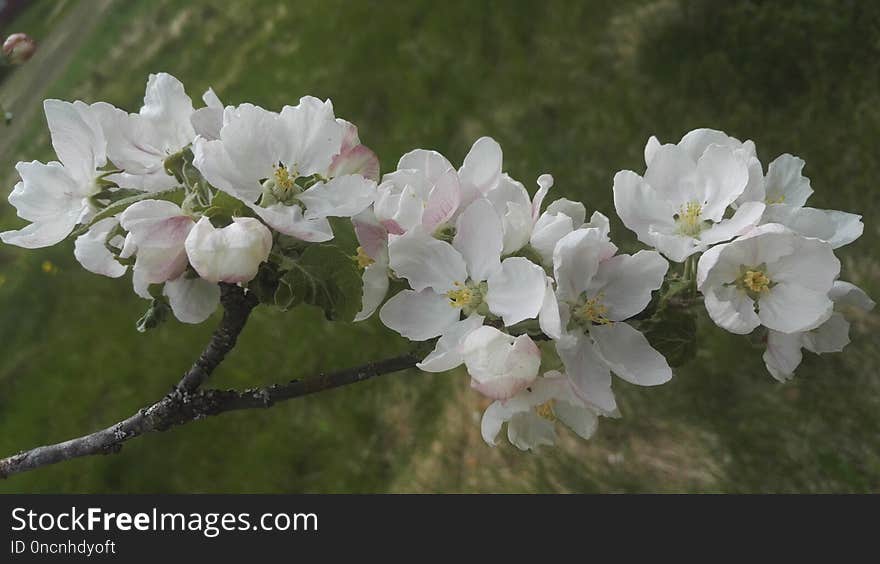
578,418
847,294
528,431
77,138
230,254
731,309
785,183
789,308
744,219
630,356
289,220
313,136
192,300
343,196
589,374
419,316
481,169
443,201
783,354
376,283
640,207
724,176
447,354
673,176
426,262
90,249
516,290
548,318
836,227
575,262
831,336
626,282
499,364
478,238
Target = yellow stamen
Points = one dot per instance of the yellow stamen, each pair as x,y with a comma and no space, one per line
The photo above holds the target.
689,220
460,298
594,311
363,259
545,410
779,200
283,179
756,281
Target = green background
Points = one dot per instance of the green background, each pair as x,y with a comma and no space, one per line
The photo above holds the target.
571,88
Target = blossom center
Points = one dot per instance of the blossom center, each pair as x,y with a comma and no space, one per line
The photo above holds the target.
689,219
591,311
779,200
467,297
756,281
363,259
545,410
283,178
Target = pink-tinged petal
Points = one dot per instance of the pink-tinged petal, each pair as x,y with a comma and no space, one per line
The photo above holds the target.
499,364
356,160
157,230
419,316
371,235
442,202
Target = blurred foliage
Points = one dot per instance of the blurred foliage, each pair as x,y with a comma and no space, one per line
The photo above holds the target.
572,88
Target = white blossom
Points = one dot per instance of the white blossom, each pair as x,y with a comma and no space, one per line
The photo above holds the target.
771,277
55,197
679,206
783,354
596,292
531,415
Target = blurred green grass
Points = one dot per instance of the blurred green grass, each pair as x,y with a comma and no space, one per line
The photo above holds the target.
572,88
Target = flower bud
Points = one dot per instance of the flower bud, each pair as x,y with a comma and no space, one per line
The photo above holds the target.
500,365
231,254
18,48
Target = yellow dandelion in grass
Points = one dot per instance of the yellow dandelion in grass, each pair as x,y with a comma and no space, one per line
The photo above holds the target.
49,267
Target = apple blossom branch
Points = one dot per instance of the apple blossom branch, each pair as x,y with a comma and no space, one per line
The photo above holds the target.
186,403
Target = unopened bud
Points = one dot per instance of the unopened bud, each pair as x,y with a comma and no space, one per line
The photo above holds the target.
18,48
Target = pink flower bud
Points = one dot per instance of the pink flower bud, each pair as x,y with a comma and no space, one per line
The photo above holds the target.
18,48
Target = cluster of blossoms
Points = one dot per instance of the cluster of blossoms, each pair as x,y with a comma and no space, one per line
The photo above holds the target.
535,301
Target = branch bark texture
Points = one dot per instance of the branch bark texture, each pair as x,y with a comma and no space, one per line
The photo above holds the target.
187,402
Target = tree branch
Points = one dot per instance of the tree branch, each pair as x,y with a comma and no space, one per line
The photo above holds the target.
185,403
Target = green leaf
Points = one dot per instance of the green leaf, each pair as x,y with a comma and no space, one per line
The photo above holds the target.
171,195
326,277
